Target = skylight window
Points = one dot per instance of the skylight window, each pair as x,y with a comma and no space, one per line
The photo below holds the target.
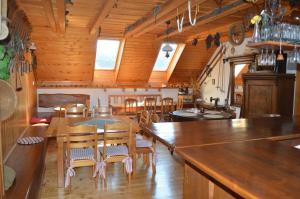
106,54
162,62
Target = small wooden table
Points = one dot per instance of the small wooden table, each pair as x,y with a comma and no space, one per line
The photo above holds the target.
252,169
57,129
197,133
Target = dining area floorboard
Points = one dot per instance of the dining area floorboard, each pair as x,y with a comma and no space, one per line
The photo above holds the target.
166,183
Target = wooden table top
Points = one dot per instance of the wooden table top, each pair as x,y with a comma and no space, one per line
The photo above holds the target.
252,169
197,133
57,124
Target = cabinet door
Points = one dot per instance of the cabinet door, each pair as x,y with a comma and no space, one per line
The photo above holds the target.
260,98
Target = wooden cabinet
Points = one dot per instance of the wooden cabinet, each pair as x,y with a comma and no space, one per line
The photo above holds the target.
268,93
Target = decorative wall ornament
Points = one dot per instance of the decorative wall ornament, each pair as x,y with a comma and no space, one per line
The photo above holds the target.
236,34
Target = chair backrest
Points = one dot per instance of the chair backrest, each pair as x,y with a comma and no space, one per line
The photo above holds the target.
119,133
179,102
82,136
150,104
167,105
75,110
131,105
102,111
154,118
144,119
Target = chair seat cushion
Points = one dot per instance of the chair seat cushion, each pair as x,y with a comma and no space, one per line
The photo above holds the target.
82,154
115,150
143,143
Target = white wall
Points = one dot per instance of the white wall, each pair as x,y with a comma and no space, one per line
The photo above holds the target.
103,94
208,89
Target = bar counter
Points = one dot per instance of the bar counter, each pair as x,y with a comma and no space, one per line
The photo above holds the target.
251,169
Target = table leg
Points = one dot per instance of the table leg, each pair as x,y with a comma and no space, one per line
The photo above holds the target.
60,162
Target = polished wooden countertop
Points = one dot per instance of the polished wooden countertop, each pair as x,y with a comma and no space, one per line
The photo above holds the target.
197,133
252,169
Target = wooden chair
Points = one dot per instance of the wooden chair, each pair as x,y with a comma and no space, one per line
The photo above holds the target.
81,149
75,110
167,106
118,144
179,104
150,104
154,118
131,106
102,111
145,146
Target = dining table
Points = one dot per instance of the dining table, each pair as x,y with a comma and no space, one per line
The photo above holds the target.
192,114
57,130
207,132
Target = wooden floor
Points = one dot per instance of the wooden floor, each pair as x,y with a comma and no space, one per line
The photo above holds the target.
167,183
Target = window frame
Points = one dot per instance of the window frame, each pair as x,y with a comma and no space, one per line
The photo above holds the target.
117,56
171,58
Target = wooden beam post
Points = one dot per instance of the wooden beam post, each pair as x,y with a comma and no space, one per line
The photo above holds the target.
297,93
217,13
47,4
61,14
107,7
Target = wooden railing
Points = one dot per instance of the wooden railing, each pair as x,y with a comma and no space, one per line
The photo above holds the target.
119,100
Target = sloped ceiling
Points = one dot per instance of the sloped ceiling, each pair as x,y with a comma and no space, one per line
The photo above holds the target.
191,62
70,55
138,61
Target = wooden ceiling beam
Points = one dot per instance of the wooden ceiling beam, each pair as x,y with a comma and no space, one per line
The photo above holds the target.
107,7
47,4
221,29
156,17
61,14
215,14
166,17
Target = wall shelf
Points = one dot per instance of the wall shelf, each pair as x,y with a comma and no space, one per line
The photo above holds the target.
273,44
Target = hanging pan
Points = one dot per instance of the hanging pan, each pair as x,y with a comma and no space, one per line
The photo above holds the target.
8,100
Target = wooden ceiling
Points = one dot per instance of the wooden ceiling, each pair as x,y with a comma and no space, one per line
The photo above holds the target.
66,45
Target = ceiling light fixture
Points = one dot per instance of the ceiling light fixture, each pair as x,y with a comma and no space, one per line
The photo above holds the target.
167,47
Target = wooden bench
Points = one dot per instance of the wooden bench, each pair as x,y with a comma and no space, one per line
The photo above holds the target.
28,161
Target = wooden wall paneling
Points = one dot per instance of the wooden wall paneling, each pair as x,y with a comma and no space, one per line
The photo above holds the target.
103,13
13,127
47,4
138,60
191,62
61,18
67,58
158,79
104,78
175,59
